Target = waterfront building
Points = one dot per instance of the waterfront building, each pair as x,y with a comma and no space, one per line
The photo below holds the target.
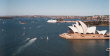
81,27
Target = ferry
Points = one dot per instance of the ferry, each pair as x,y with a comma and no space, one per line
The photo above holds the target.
52,21
81,31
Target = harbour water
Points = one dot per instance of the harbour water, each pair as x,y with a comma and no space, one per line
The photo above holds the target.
36,37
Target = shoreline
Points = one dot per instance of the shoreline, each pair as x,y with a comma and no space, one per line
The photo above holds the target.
88,23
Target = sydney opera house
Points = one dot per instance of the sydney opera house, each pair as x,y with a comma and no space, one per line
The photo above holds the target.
80,30
80,27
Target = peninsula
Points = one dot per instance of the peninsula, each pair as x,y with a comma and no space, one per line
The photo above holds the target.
81,31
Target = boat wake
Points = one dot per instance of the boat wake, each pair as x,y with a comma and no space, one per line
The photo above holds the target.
27,39
24,46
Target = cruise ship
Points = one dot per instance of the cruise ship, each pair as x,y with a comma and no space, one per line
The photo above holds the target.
52,21
80,30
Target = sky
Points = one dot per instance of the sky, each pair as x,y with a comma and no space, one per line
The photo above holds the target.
54,7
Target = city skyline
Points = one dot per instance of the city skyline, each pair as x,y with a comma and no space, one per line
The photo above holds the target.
54,7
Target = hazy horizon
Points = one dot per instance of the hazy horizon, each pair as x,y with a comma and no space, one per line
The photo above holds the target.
54,7
48,15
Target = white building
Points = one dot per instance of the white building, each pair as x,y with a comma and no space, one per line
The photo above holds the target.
74,29
91,29
81,27
102,31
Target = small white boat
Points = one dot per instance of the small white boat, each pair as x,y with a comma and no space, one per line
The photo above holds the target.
108,49
47,38
20,22
52,21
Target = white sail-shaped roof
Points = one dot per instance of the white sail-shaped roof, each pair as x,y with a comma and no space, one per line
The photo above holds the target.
102,32
84,27
74,29
80,29
91,29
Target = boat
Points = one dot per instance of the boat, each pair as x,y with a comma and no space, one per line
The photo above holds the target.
81,31
47,38
20,22
107,49
52,21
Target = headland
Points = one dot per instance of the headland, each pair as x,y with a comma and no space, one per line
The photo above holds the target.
81,31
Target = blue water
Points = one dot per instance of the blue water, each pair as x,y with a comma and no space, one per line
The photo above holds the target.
38,38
